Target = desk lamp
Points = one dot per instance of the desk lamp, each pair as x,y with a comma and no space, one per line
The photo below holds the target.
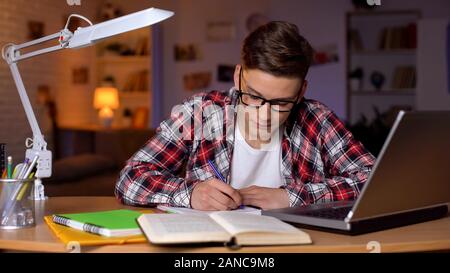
82,37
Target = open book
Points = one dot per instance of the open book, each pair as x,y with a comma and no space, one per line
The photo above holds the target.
189,211
222,226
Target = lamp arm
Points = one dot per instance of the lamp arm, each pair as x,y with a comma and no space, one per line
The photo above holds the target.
12,55
39,146
38,139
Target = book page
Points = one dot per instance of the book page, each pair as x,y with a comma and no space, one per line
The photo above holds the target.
236,223
179,228
189,211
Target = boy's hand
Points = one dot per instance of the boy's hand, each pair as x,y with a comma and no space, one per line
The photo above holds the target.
215,195
265,198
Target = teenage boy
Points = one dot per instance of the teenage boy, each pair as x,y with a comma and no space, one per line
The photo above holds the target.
273,147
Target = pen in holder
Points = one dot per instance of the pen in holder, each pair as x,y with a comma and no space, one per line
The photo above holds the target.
16,203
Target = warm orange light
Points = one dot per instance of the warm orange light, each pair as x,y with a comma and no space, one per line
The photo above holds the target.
106,97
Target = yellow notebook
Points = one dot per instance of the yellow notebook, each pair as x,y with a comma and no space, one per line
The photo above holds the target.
67,235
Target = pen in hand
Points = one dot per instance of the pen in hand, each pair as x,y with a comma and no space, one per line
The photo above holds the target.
219,176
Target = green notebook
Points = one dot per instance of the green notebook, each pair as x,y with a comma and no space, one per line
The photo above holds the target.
114,223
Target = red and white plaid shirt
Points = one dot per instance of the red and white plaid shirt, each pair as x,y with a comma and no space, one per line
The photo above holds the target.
321,161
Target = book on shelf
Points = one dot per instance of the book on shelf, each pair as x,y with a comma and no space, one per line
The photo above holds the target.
137,81
404,77
355,40
142,47
399,37
221,227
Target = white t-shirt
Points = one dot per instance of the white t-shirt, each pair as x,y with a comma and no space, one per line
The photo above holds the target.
260,167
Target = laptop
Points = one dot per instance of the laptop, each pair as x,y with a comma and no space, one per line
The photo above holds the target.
409,183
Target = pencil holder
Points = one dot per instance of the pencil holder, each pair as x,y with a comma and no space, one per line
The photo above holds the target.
16,203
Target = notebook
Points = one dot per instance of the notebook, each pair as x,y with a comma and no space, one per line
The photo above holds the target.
114,223
68,235
181,210
224,226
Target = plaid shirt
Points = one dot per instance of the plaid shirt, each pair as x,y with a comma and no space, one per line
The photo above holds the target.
321,161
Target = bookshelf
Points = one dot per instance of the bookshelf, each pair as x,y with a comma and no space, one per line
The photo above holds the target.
126,61
384,42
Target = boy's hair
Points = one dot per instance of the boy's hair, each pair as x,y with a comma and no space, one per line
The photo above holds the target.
278,49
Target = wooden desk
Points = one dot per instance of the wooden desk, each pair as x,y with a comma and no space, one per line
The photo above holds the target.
429,236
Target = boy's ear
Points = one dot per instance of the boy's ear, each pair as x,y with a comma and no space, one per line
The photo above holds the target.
237,71
303,90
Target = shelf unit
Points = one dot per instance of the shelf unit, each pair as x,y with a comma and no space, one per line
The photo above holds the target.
385,55
390,92
386,52
129,72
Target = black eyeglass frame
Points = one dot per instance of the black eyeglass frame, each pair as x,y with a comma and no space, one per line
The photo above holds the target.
264,101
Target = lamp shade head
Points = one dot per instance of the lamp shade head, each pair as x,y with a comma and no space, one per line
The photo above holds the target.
106,97
90,35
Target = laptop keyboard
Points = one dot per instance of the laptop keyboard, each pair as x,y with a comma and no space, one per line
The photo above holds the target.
332,213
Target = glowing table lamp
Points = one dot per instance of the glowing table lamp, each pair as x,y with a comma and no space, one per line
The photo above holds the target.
65,39
106,99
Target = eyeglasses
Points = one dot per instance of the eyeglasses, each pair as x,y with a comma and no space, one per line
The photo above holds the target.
277,105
